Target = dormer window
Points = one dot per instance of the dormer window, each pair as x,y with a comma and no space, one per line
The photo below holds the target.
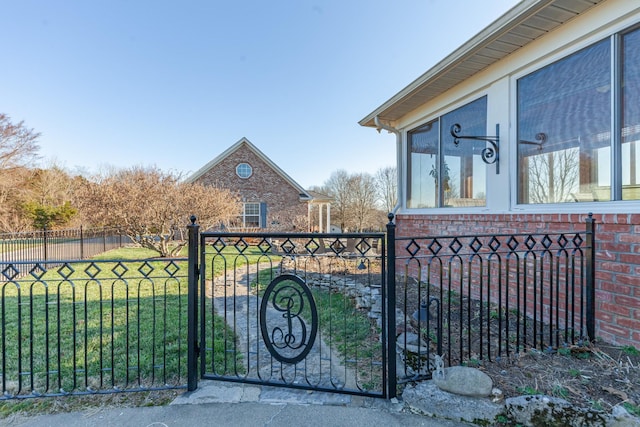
244,170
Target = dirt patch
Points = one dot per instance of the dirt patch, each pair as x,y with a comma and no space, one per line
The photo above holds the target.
588,375
12,410
597,376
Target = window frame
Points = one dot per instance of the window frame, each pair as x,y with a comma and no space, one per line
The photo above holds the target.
252,215
406,157
244,166
242,218
551,135
614,35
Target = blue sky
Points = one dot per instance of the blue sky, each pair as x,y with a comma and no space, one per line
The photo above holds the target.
112,83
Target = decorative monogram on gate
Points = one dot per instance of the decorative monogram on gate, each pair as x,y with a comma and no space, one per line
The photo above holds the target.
287,312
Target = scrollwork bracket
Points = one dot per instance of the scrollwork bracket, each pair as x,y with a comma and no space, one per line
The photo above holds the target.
490,154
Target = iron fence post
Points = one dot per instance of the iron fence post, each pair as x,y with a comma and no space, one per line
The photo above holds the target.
192,306
81,243
391,309
44,238
590,277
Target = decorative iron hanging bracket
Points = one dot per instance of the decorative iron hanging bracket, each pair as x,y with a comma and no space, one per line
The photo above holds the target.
491,154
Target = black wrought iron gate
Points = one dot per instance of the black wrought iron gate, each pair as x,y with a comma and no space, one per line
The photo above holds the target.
318,311
302,310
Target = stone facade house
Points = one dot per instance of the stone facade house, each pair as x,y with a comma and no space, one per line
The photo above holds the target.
271,199
552,88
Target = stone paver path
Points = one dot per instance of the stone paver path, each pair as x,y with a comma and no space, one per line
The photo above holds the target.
321,367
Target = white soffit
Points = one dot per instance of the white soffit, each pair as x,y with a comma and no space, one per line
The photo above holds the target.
521,25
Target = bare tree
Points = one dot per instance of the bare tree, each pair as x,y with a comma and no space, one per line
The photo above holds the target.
52,185
355,201
18,144
363,201
553,176
50,194
386,181
153,207
13,194
18,149
337,186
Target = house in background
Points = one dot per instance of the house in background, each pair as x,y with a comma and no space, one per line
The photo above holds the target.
554,86
270,198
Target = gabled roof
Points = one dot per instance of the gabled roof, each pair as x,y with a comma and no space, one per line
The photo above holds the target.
320,197
518,27
304,195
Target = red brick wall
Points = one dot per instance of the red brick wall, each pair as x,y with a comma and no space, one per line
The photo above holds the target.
617,266
264,185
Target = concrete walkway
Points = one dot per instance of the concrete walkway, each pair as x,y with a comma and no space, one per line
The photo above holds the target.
228,404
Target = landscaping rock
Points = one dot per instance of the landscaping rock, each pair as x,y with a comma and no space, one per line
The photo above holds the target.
621,418
413,343
531,411
464,381
414,357
427,398
541,410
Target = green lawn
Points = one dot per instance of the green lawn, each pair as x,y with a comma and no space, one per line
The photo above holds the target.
117,321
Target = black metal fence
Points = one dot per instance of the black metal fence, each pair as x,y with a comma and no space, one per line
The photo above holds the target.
296,310
55,245
483,297
330,321
79,327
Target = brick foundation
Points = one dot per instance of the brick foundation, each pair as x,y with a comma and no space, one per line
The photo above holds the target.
617,266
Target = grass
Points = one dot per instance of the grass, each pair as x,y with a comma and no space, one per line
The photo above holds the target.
11,409
96,325
560,391
632,409
630,350
217,263
117,323
528,390
129,253
575,373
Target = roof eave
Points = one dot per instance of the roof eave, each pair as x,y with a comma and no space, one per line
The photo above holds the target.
500,26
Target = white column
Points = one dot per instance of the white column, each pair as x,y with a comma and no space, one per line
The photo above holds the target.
328,217
320,217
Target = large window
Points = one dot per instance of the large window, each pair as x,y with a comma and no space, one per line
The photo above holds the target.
442,174
572,145
630,116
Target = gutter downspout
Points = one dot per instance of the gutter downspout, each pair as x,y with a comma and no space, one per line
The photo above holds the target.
379,127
